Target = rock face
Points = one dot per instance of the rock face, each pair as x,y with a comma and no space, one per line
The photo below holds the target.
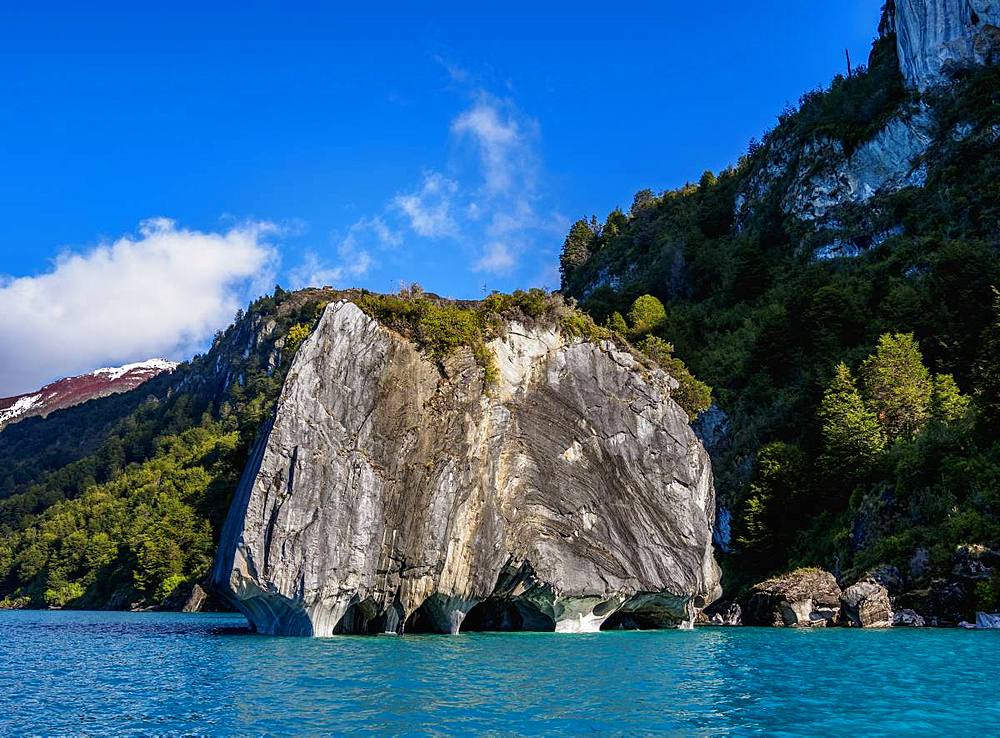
827,178
803,598
393,494
936,38
907,619
819,176
866,605
732,614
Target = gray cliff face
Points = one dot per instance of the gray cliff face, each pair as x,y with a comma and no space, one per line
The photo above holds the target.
827,178
936,38
819,176
816,177
391,494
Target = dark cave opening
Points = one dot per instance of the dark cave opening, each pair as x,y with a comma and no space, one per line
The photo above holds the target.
507,615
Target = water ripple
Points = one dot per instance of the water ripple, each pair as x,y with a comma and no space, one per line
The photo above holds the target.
168,674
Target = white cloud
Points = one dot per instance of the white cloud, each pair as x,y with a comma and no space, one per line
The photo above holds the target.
485,200
161,293
497,258
354,256
502,145
429,208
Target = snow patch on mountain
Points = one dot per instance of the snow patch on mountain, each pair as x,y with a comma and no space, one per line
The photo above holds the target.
72,391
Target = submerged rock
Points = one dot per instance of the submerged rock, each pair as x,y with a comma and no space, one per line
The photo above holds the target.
866,605
803,598
396,494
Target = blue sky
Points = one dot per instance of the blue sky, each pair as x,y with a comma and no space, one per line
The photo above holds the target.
223,147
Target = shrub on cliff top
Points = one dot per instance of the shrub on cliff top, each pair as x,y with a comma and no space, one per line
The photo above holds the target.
441,327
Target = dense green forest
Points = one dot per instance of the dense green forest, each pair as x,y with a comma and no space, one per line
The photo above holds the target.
860,390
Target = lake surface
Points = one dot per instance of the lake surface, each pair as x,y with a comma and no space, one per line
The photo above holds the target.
156,673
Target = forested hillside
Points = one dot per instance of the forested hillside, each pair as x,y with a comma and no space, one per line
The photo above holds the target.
118,502
851,338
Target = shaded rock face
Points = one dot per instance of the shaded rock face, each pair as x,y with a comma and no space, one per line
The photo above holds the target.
943,603
391,494
907,619
819,176
937,38
866,605
803,598
887,576
827,178
730,614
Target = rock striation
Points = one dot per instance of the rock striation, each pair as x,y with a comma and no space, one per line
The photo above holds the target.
866,605
392,493
937,38
802,598
818,177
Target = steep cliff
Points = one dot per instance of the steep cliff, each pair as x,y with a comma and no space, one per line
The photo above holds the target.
398,493
937,39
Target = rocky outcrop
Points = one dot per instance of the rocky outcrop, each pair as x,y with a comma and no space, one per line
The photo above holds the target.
819,176
988,621
943,603
907,619
730,614
803,598
953,599
866,605
393,493
937,38
827,177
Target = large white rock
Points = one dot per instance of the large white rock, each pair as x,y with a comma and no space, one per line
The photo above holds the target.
935,38
394,494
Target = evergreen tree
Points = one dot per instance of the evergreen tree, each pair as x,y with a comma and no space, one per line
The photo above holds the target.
647,314
948,405
642,199
576,250
614,225
852,437
617,324
897,385
986,373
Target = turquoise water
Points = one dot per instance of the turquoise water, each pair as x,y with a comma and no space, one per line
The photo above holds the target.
115,673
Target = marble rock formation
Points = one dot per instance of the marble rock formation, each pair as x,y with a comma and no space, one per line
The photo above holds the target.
907,618
936,38
802,598
866,605
392,493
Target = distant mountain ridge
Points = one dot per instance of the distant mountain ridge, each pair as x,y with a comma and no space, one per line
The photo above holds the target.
71,391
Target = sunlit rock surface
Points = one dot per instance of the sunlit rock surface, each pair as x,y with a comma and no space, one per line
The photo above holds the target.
937,38
392,494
